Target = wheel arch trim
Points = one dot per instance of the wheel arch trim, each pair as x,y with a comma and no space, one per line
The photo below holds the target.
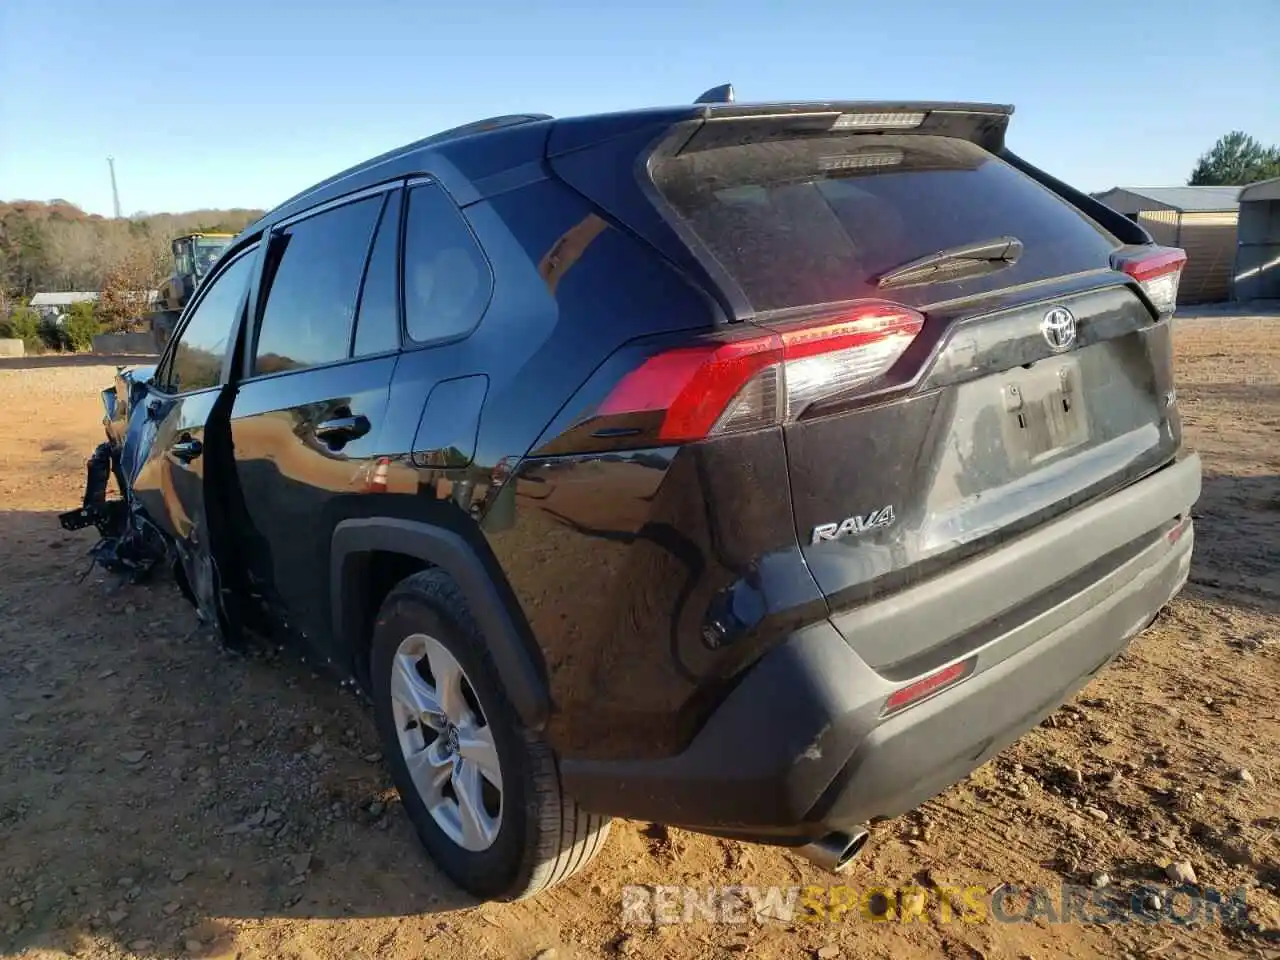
513,653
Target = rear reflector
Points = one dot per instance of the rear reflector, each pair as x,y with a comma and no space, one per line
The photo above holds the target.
918,690
1158,272
1174,535
759,381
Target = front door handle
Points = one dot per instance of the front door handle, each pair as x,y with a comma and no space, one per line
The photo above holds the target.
187,449
342,430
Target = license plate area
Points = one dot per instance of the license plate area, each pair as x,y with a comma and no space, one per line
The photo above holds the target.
1045,412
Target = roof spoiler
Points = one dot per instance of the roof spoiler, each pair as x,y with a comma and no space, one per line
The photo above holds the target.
726,123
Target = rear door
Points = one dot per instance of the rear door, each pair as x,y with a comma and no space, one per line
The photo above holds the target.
187,387
1034,376
307,417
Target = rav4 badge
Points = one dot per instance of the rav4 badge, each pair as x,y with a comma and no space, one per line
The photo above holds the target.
853,525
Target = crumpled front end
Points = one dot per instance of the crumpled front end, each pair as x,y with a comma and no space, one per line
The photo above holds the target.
130,544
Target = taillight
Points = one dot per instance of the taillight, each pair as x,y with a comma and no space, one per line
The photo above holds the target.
717,388
1158,272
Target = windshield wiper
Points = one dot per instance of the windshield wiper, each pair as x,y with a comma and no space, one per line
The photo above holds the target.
966,260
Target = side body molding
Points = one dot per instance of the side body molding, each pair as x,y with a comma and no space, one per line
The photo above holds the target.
512,654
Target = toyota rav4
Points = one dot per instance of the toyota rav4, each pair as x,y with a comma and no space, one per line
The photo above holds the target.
756,469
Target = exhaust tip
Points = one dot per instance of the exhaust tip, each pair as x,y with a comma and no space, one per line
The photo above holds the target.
836,851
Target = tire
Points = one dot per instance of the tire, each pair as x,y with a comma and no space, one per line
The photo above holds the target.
541,837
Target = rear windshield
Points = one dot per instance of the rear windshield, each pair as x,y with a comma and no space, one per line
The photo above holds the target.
817,220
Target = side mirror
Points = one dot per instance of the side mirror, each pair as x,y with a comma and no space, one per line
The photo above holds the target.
140,387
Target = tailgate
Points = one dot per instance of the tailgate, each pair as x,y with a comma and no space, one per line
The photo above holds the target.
1001,434
1023,373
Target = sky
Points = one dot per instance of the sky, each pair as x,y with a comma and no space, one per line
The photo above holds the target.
245,102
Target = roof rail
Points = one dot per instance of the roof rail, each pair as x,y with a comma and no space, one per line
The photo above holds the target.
484,126
720,94
477,126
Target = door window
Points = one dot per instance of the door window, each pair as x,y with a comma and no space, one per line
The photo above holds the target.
313,278
447,282
378,323
196,361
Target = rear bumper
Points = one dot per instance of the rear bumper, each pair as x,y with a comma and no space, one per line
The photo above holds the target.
800,748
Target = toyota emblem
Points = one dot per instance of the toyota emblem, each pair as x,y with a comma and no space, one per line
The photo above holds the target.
1059,329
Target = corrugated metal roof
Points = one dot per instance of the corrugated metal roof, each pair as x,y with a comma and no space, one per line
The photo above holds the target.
1186,199
65,299
1262,190
61,299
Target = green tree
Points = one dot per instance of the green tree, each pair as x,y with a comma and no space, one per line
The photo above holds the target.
52,336
57,246
24,324
25,255
1236,158
80,326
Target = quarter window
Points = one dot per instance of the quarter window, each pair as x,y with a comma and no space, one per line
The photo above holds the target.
447,282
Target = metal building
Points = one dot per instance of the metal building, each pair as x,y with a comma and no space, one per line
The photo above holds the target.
53,304
1258,248
1201,220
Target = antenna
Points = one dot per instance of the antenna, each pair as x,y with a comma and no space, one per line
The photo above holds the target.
720,94
115,193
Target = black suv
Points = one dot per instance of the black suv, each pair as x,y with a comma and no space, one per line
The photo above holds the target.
757,469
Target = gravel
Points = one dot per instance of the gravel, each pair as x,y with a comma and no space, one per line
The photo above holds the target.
69,382
229,740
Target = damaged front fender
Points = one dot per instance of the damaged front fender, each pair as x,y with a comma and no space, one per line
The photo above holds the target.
130,543
131,426
159,516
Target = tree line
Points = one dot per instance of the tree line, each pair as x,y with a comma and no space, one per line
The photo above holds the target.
55,246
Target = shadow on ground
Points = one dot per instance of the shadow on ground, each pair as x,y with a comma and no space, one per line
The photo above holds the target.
46,360
1237,553
153,781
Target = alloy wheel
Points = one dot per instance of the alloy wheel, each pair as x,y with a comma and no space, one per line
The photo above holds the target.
446,742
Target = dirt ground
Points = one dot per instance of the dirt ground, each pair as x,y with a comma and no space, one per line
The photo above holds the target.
159,797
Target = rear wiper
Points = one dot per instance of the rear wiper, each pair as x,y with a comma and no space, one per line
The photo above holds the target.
969,259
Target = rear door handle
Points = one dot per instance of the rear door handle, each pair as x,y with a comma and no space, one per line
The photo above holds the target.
187,449
342,430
